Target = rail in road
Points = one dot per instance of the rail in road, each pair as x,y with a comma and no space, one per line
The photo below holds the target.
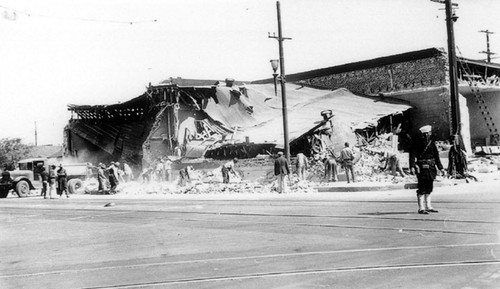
254,244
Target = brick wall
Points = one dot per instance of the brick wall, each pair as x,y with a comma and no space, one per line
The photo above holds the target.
432,107
408,75
421,82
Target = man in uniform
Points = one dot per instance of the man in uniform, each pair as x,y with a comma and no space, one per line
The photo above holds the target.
424,158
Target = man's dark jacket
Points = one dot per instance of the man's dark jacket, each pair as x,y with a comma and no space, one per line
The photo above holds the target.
281,166
425,155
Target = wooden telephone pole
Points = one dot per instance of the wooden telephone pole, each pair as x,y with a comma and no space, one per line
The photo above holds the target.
282,80
487,52
452,61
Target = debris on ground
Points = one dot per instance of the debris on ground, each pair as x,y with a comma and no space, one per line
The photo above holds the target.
369,167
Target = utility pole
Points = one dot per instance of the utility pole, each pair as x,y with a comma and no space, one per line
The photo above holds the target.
452,61
487,52
282,79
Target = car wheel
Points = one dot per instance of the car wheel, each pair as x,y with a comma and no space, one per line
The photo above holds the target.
22,189
74,185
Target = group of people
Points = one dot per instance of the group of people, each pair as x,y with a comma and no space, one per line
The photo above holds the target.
424,163
160,170
108,177
330,161
54,180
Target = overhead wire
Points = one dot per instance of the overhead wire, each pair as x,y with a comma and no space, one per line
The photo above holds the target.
29,14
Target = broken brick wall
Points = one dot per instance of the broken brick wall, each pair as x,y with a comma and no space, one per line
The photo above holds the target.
407,75
421,82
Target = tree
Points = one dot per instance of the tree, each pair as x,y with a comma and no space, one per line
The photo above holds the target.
11,151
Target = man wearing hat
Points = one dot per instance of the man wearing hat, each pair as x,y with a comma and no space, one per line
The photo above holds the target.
62,181
424,158
101,178
281,170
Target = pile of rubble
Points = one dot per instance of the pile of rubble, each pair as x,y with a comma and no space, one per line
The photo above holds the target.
484,164
210,182
368,168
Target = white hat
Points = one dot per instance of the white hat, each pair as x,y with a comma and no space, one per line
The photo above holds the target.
425,128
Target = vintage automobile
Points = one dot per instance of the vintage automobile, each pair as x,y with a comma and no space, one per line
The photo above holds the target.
27,177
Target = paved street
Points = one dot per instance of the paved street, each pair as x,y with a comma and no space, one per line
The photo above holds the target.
321,240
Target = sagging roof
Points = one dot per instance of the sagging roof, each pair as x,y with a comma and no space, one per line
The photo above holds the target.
304,111
249,111
142,107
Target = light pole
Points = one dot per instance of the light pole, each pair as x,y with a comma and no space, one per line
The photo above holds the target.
282,79
451,18
274,65
452,62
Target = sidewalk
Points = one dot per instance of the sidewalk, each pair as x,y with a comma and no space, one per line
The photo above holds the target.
343,186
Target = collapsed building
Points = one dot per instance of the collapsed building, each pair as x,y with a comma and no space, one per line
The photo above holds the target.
421,78
326,107
219,121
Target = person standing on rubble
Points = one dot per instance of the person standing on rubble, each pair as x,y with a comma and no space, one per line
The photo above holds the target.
347,158
113,177
330,169
147,171
228,168
167,167
281,170
159,170
302,165
128,173
184,177
457,159
392,163
424,158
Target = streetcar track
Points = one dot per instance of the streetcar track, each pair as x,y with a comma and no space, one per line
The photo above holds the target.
399,229
301,273
256,257
374,216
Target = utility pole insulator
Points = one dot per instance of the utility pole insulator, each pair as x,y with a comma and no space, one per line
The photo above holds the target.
487,52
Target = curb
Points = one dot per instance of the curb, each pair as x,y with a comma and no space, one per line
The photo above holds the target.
380,187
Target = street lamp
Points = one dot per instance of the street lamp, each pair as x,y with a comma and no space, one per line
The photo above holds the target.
282,79
274,65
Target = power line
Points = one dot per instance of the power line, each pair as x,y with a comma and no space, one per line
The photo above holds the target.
29,14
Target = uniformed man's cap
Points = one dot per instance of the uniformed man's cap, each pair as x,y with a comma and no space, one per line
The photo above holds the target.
426,129
280,153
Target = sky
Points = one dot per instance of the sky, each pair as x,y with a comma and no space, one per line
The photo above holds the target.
59,52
